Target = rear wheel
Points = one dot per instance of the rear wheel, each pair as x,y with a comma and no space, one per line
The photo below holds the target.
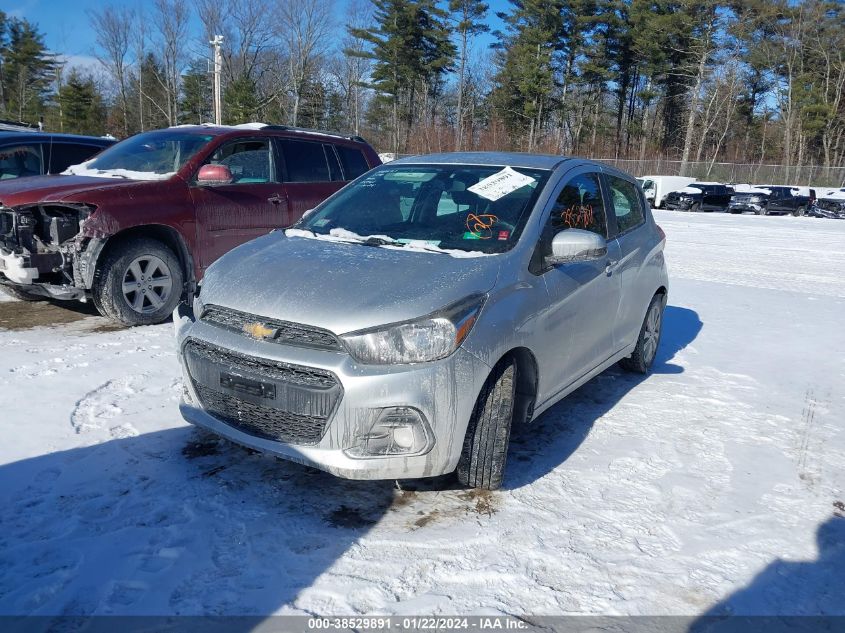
485,451
22,295
646,350
139,283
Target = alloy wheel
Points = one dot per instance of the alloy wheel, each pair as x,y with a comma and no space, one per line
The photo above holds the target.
147,284
651,336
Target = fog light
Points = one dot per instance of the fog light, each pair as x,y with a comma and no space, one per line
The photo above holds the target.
396,431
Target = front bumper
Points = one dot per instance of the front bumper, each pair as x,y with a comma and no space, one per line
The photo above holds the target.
677,205
744,207
444,392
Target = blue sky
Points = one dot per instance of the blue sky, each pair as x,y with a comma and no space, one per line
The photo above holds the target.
66,29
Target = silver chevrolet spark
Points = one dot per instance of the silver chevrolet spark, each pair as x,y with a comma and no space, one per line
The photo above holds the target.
402,327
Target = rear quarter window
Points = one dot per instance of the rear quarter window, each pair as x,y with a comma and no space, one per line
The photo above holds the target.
627,206
305,161
353,161
63,155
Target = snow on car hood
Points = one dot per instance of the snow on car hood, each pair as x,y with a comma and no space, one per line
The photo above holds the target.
83,169
342,235
341,285
690,190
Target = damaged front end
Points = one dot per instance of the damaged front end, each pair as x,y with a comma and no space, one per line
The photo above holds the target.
43,250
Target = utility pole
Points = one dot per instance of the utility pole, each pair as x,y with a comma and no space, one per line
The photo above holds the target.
218,67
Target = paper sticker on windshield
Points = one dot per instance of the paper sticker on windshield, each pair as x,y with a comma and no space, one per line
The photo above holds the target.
500,184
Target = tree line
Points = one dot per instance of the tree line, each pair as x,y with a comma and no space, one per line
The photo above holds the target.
753,81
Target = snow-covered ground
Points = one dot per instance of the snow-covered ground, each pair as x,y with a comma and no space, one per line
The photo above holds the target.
712,485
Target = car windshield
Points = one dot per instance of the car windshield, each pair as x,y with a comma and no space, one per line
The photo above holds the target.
449,207
151,155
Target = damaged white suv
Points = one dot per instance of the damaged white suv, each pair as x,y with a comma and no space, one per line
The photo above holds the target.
401,328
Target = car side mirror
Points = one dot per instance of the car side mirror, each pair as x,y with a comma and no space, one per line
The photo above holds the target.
576,245
214,175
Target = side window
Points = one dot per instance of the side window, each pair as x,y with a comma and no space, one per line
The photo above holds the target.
353,161
626,203
63,155
305,161
579,206
250,161
19,161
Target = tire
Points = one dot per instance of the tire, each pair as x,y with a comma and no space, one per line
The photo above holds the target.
485,451
695,207
648,341
800,212
131,285
763,211
21,295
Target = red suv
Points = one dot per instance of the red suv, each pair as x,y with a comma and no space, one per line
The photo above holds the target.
135,227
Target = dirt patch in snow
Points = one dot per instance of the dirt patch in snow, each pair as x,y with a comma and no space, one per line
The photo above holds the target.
840,509
25,315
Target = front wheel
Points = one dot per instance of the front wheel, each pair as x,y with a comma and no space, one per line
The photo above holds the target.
695,208
800,211
485,451
642,359
139,283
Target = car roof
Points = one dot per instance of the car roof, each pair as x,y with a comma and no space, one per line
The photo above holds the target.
276,130
40,136
512,159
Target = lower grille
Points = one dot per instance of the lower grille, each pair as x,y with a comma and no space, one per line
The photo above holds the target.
264,422
265,398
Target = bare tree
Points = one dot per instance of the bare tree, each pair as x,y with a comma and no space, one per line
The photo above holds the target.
304,27
113,33
171,21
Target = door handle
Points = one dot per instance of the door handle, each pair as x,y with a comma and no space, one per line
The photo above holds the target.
275,199
610,266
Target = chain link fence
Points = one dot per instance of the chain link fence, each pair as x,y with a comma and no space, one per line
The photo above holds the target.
750,173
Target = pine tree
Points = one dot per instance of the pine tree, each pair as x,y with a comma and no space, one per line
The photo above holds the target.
82,105
195,103
528,61
411,49
26,70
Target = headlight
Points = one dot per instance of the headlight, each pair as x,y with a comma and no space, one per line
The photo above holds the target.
426,339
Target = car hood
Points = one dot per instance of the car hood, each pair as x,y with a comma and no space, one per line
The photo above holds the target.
341,287
59,188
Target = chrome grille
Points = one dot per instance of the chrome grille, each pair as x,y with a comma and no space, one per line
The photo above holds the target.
286,333
265,398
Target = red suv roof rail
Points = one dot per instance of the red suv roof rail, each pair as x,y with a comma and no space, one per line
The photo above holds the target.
291,128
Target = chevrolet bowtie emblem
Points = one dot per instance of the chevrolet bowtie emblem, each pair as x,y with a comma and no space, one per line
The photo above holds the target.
260,330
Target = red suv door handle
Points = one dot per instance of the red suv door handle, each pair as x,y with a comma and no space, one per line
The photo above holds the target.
275,199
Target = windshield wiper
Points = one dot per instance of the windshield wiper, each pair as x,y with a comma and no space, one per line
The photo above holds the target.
380,241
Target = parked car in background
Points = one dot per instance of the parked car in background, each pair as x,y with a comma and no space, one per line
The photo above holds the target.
748,199
25,154
135,228
464,293
830,204
656,188
788,200
700,196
